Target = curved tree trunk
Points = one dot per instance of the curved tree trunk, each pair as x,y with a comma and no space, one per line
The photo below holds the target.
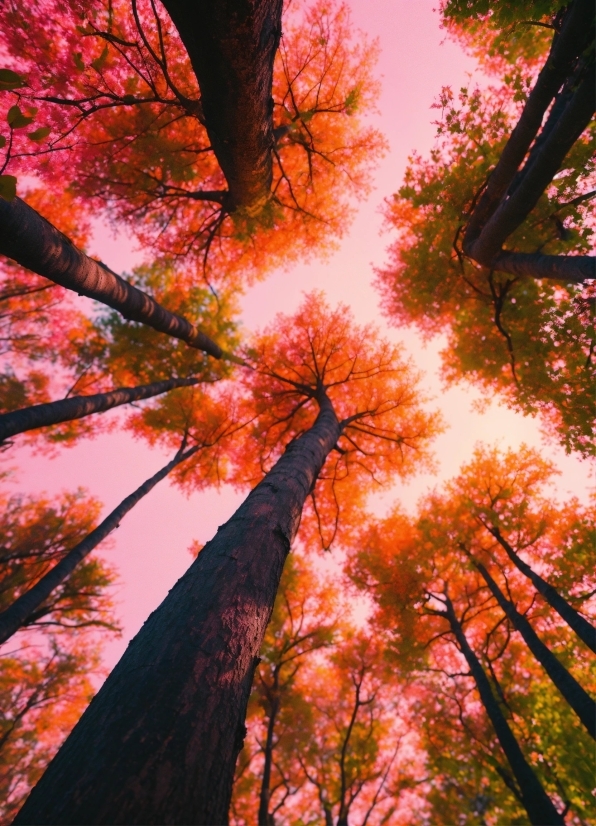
232,45
584,629
579,700
34,243
159,742
540,808
510,195
24,608
77,407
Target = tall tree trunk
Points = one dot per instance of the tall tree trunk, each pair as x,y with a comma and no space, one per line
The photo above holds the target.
540,808
584,629
159,742
25,608
264,818
510,195
77,407
579,700
232,46
34,243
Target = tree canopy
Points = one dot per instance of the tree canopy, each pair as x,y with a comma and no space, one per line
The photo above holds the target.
329,656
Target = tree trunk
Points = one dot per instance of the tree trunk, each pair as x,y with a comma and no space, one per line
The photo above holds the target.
34,243
540,808
572,269
232,45
24,608
264,818
573,39
584,629
77,407
579,700
537,174
159,742
510,195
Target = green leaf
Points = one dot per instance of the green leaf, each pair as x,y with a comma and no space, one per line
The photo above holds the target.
39,134
78,61
98,63
8,187
10,80
2,141
17,119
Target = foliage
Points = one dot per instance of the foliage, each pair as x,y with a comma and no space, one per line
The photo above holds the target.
114,88
410,565
337,738
35,533
374,390
44,688
530,341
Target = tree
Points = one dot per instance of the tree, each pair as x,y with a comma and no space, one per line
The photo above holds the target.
96,354
431,600
43,690
213,423
199,649
130,90
511,193
45,673
35,534
329,735
304,620
352,752
530,340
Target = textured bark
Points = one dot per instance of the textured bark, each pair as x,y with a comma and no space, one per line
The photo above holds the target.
540,808
34,243
573,39
77,407
572,269
232,46
578,699
584,629
159,742
510,195
24,608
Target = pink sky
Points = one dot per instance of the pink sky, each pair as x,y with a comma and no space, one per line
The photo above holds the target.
151,544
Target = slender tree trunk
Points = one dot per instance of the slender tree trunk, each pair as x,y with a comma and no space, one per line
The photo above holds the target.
584,629
34,243
25,607
159,742
540,808
579,700
232,46
264,818
77,407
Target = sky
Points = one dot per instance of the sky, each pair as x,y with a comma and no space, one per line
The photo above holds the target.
150,548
